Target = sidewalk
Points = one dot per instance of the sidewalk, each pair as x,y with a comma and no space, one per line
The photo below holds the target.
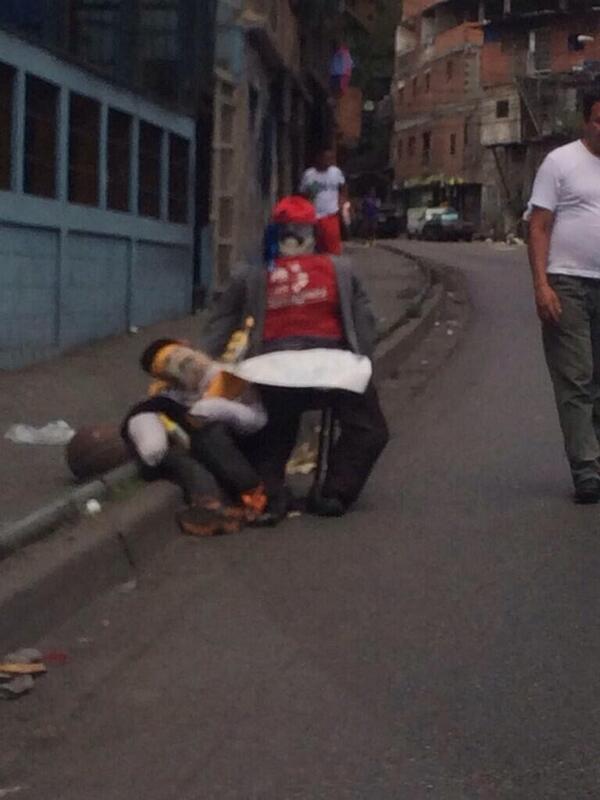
98,383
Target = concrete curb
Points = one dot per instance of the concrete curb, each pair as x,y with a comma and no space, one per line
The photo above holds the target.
35,525
43,585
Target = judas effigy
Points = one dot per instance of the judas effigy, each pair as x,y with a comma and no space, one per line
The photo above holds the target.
309,347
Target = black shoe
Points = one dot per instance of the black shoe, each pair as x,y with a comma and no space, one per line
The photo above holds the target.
277,508
587,491
325,506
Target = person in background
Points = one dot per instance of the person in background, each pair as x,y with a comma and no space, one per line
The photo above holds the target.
346,215
324,185
564,254
370,212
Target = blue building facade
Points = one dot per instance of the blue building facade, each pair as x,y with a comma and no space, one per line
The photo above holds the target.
96,206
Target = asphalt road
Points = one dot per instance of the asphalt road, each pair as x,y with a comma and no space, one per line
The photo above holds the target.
439,642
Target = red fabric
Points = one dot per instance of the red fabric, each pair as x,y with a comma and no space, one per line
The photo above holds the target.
302,299
295,209
329,235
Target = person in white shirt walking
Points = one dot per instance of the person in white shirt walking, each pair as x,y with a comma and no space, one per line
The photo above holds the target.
564,254
324,185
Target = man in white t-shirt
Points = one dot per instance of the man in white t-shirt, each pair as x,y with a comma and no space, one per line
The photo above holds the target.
564,254
324,185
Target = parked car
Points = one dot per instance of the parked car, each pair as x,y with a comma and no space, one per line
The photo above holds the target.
448,227
416,219
389,221
438,224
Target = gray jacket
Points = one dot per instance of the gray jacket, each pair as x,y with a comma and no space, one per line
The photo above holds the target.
246,296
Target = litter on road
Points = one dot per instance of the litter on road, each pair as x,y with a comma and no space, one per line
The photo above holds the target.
57,432
18,669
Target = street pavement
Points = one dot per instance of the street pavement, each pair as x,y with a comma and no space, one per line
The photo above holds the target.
438,642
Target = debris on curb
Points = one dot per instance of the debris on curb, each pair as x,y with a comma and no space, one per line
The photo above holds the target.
57,432
17,671
93,507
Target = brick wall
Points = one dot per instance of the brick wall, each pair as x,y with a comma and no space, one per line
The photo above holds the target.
509,56
562,58
454,38
348,117
446,149
441,82
496,64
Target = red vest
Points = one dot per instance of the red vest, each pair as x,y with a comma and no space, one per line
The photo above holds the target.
302,299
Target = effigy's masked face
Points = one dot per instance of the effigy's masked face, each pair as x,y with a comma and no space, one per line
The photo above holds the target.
296,239
181,365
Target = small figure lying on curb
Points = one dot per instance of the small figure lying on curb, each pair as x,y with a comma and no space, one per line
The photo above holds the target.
193,396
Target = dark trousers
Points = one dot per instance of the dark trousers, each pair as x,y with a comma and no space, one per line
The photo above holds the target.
363,434
214,462
572,348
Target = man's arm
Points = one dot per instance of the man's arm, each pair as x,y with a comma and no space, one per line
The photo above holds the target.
364,318
342,188
540,231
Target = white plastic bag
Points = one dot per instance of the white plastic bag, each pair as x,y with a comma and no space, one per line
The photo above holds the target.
56,432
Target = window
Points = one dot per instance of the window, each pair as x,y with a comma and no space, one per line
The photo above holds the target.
179,151
7,75
40,137
414,86
573,43
449,70
502,109
401,96
452,144
411,146
95,29
427,81
160,46
426,147
84,142
119,160
466,134
149,167
400,150
542,56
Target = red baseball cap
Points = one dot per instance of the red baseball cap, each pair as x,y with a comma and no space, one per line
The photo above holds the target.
295,209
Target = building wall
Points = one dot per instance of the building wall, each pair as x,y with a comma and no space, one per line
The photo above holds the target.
444,81
348,116
73,267
525,46
501,117
263,110
532,73
447,149
436,92
502,90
